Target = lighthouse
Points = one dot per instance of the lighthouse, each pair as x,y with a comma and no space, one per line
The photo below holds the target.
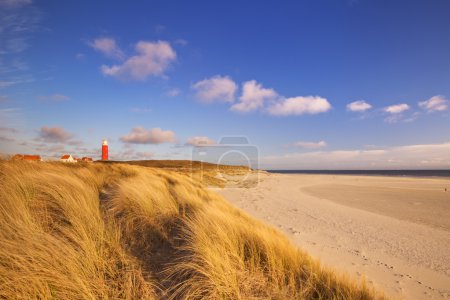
105,150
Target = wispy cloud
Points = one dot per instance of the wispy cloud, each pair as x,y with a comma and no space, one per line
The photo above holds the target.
173,92
54,98
310,145
6,83
13,3
80,56
129,153
16,45
151,59
9,130
12,117
359,106
141,110
4,138
434,104
215,89
14,81
181,42
140,135
19,19
160,28
253,97
51,150
8,134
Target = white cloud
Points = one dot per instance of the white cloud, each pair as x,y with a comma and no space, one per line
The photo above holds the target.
152,59
431,156
217,88
173,92
359,106
140,135
396,113
396,109
108,47
435,103
311,145
200,141
299,106
253,97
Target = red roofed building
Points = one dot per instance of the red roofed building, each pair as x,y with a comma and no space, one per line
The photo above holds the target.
87,159
32,157
27,157
67,158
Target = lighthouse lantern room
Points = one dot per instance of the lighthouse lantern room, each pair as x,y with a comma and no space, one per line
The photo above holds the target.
105,150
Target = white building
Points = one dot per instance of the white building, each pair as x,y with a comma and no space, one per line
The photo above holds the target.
67,158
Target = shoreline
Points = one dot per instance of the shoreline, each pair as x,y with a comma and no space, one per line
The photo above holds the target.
405,259
359,173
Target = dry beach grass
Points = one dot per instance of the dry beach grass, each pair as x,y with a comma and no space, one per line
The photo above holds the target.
88,231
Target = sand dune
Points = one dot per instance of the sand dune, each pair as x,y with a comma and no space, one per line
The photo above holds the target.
115,231
394,231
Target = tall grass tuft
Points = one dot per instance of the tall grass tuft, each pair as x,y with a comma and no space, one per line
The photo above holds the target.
54,242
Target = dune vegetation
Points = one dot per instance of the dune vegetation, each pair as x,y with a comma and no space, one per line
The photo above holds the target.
96,231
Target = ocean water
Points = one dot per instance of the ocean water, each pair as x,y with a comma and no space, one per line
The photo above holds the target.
405,173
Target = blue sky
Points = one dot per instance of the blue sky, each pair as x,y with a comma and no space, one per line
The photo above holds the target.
312,84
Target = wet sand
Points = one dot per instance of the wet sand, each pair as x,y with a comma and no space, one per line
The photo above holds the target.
412,199
394,232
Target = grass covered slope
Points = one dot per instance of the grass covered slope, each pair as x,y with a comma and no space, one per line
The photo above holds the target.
207,173
120,231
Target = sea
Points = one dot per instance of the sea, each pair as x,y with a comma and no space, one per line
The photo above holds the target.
401,173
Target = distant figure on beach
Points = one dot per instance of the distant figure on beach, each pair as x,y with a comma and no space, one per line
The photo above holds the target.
445,189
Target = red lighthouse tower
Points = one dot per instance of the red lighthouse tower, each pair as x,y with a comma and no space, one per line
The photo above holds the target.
105,150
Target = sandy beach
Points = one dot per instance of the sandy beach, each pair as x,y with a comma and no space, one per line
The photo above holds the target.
393,231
